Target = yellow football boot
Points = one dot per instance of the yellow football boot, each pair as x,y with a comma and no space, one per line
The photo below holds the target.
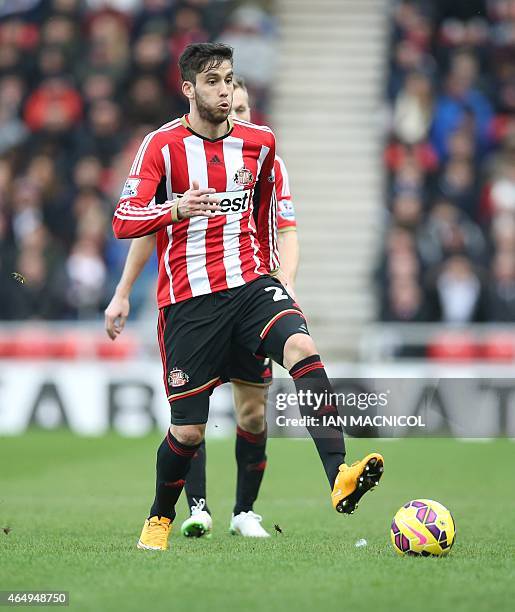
353,482
154,535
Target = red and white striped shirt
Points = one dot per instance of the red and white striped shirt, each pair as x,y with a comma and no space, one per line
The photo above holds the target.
204,255
285,210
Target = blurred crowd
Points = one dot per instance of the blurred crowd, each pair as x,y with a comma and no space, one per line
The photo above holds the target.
449,250
81,83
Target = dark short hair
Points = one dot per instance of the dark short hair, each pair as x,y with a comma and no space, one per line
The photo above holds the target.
199,57
239,83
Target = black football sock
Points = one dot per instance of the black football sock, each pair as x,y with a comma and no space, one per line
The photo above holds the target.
311,379
173,462
251,460
195,487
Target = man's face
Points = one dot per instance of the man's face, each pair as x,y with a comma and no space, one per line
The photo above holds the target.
214,92
240,105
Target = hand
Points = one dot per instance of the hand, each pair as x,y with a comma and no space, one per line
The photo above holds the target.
283,279
197,202
115,315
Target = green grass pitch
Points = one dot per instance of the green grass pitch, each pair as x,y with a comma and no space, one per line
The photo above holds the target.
76,506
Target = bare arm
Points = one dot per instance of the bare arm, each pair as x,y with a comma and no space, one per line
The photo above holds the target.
118,310
288,244
287,240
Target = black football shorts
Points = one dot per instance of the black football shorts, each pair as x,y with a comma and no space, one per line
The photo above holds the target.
246,368
212,338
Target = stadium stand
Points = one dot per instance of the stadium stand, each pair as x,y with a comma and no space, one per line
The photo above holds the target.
449,248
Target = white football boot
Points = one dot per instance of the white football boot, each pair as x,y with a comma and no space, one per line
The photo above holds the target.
199,524
248,525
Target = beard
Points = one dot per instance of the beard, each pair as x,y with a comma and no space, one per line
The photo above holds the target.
212,115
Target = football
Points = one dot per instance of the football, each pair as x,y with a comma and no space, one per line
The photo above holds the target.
423,527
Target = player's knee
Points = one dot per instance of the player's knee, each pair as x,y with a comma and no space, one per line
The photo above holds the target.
297,348
190,435
251,416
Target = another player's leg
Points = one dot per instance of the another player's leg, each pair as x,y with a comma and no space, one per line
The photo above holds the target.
348,483
250,404
199,523
173,462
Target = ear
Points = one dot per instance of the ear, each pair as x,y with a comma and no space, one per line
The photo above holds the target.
188,89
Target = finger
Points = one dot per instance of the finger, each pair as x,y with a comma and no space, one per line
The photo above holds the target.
111,331
204,208
195,186
212,207
198,193
108,323
207,200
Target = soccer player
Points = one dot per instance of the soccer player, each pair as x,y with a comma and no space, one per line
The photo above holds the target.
249,391
286,223
219,286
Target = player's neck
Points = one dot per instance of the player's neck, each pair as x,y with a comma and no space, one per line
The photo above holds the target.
205,128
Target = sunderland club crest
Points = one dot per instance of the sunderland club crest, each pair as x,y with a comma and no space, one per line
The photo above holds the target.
177,378
243,177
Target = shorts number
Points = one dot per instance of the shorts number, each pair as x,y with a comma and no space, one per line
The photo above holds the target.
278,293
